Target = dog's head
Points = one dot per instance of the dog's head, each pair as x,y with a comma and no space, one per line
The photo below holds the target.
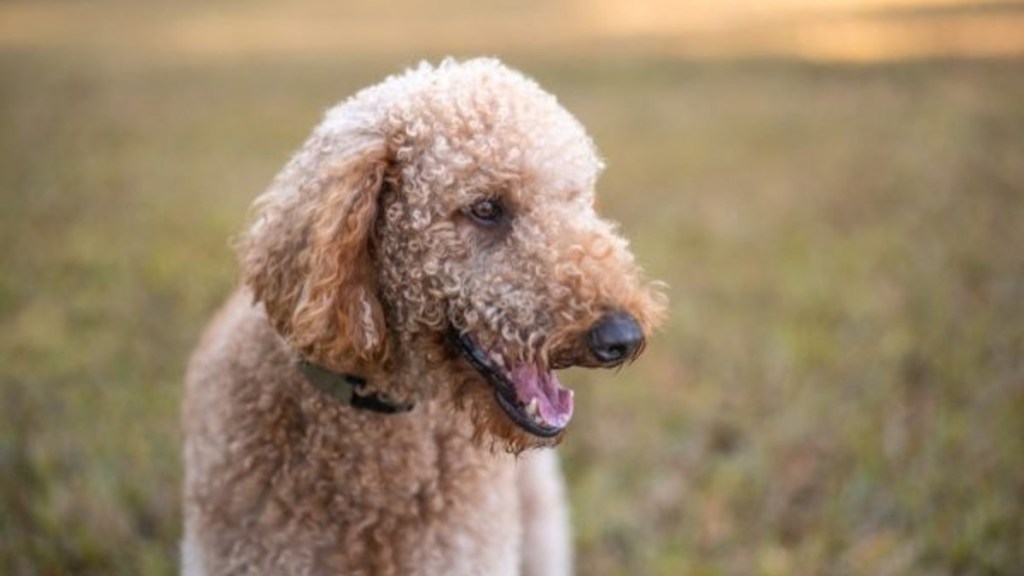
441,226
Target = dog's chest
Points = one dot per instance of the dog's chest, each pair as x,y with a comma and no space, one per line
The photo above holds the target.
426,502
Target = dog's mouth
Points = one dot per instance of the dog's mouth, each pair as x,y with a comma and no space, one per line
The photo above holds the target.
530,394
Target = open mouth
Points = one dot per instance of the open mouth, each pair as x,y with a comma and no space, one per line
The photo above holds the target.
530,394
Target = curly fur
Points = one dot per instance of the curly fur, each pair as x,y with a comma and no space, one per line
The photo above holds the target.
362,257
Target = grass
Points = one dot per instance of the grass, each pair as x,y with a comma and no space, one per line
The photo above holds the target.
840,388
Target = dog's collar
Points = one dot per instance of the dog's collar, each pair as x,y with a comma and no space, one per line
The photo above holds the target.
344,388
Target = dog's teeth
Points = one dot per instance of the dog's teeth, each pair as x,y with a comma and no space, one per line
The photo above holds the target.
531,408
498,359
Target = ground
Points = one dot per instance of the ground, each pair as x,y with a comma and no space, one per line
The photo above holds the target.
840,388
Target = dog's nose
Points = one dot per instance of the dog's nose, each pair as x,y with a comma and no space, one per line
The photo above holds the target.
615,338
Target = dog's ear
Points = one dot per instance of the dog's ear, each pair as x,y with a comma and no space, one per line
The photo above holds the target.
306,257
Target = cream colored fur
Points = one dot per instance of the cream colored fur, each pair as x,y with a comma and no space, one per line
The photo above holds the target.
362,257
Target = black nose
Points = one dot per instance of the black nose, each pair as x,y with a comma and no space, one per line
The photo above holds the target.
615,338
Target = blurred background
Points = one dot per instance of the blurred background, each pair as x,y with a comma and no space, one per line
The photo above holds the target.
834,192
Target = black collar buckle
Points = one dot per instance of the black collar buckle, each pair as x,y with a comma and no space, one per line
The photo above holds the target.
345,389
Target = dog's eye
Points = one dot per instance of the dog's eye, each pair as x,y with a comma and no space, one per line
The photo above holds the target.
487,212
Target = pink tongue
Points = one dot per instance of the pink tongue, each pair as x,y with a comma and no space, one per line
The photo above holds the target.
554,403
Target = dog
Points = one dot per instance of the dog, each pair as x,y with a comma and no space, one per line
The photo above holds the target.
413,278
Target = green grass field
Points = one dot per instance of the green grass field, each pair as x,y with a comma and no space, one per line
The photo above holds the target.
839,389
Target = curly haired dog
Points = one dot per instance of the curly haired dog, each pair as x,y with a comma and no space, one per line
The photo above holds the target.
413,277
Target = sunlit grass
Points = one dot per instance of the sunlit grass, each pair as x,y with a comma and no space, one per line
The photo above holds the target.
224,32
